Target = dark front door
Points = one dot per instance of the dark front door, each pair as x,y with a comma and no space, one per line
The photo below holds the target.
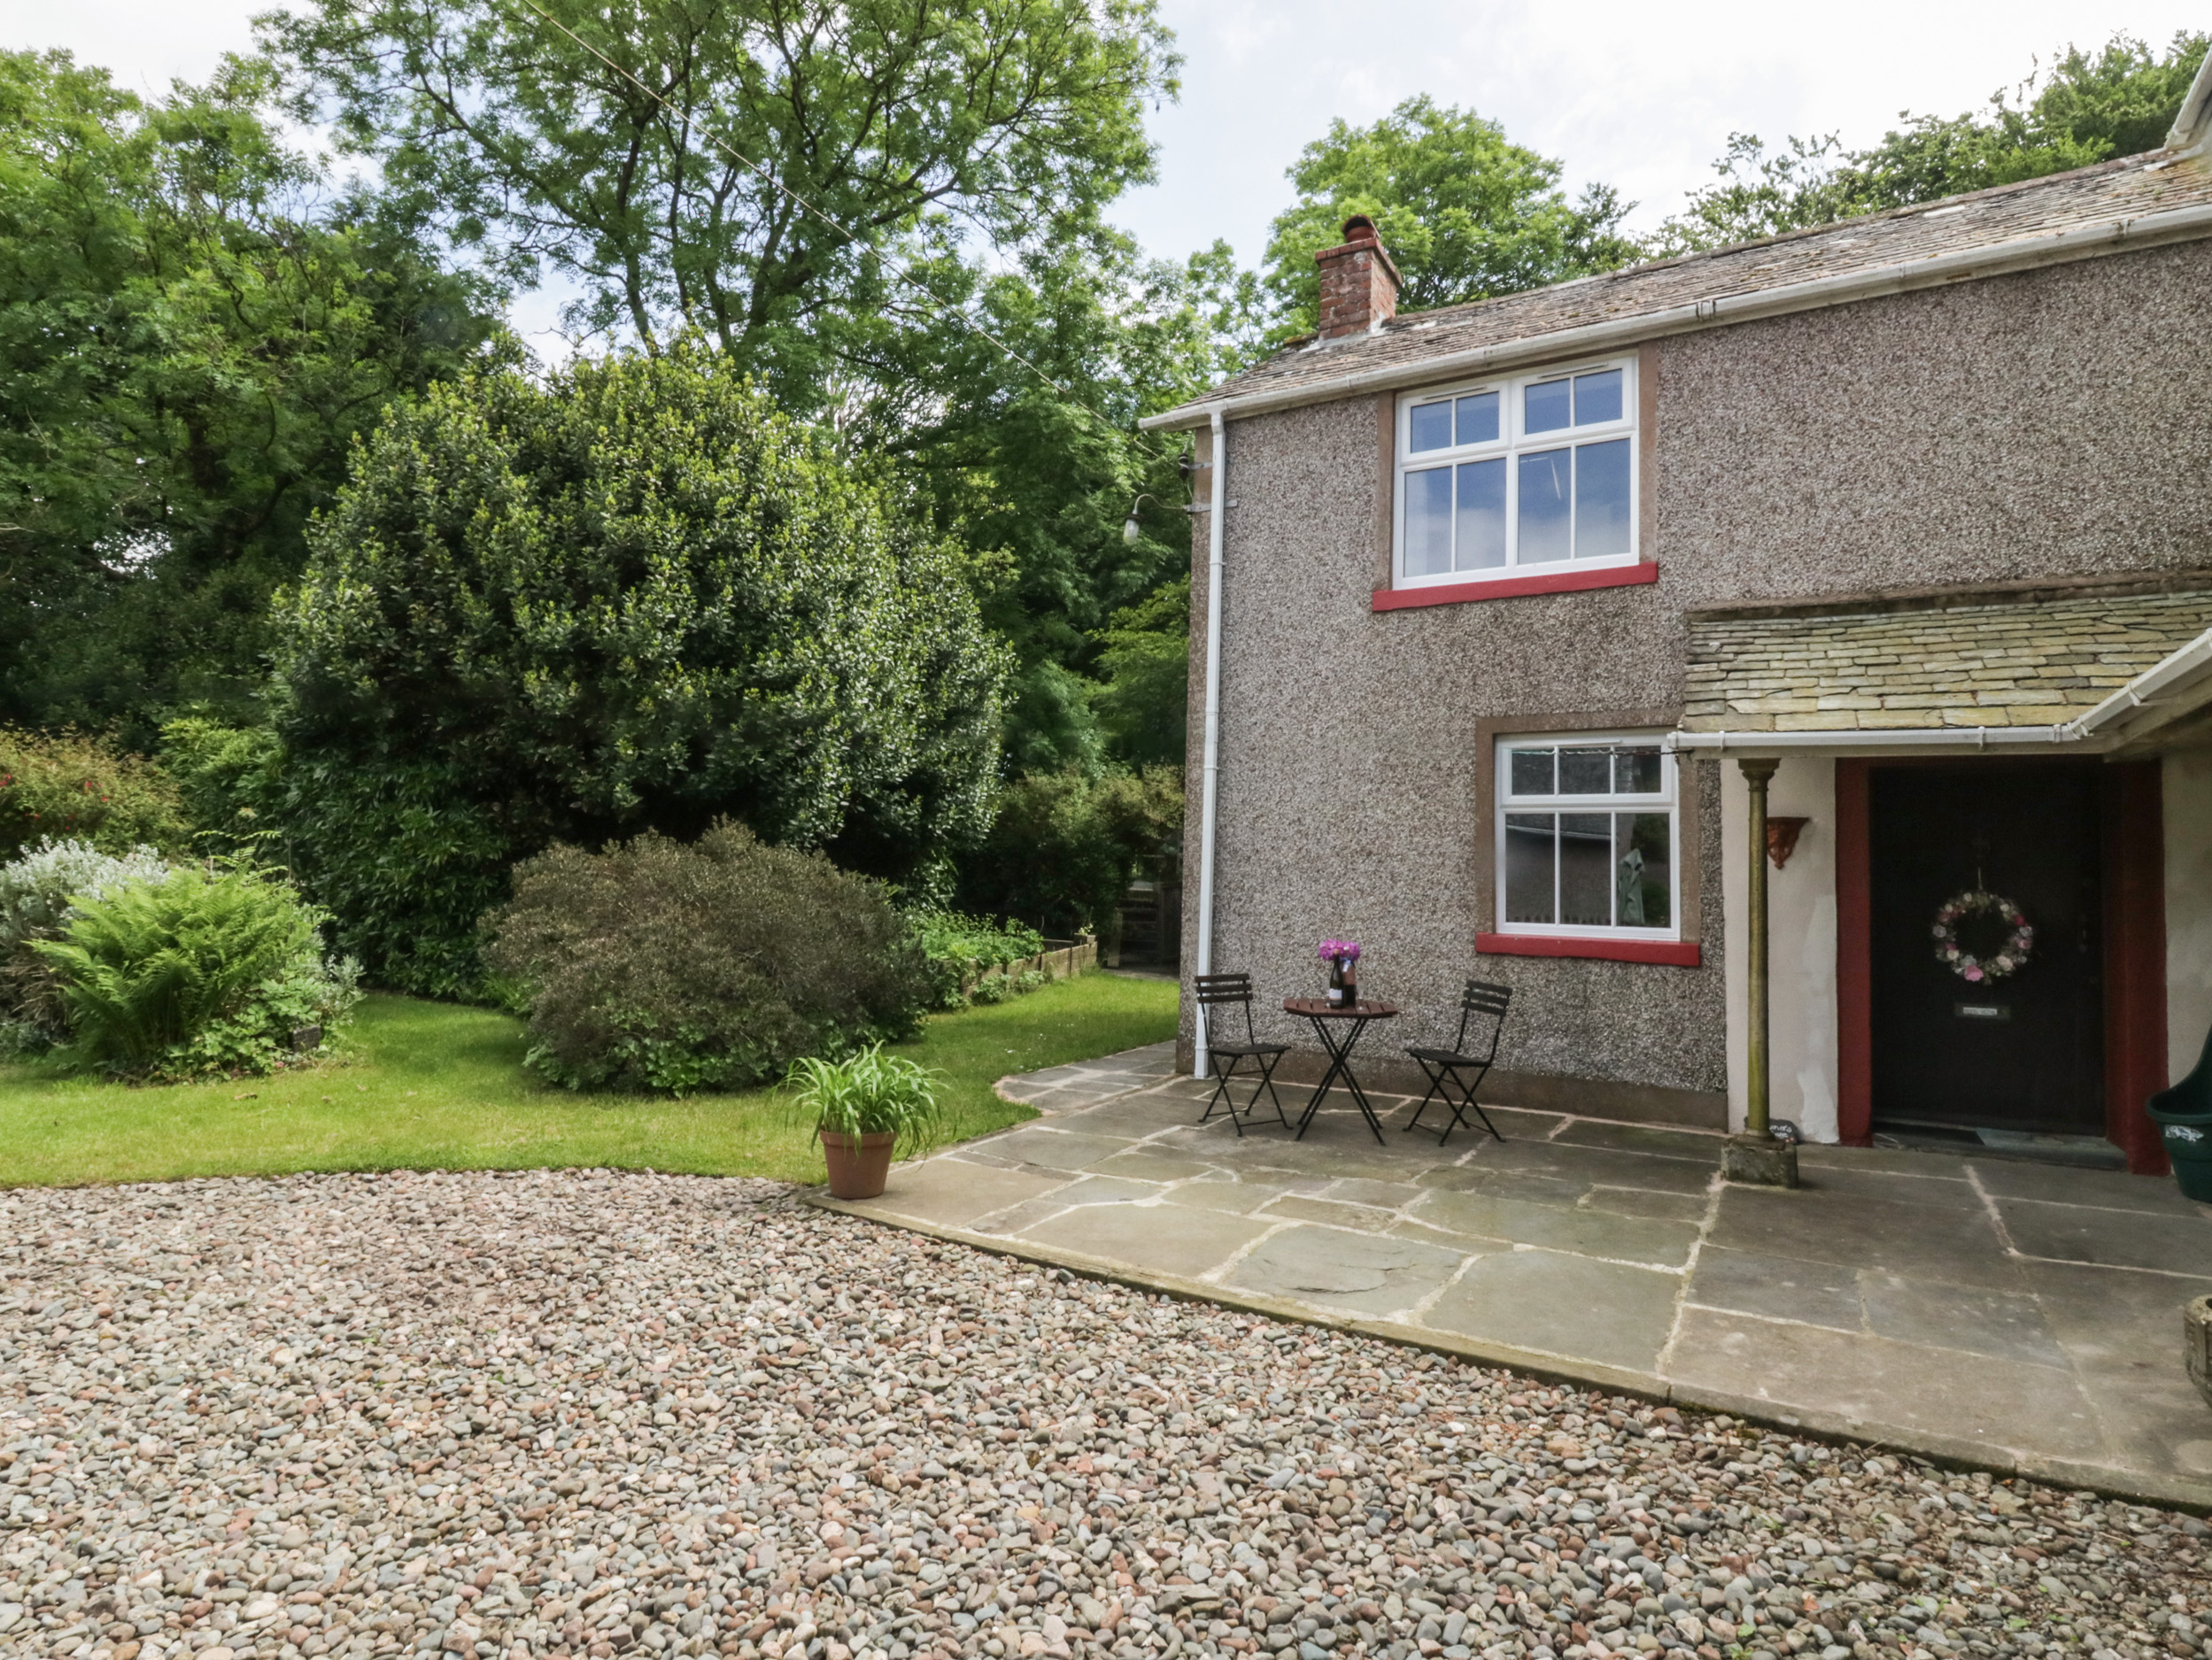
2022,1051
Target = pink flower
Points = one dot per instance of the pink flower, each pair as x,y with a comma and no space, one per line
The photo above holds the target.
1974,973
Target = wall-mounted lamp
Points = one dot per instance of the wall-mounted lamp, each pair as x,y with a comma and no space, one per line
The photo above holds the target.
1130,530
1781,838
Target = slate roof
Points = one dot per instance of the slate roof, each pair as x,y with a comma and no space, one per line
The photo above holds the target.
2124,188
2032,660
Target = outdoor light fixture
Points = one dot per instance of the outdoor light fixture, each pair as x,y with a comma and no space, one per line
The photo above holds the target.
1130,530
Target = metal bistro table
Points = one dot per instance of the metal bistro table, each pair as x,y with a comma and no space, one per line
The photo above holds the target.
1339,1028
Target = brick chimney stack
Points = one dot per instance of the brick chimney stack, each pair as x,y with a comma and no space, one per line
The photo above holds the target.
1359,285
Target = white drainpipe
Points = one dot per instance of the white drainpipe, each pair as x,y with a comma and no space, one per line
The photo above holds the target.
1210,787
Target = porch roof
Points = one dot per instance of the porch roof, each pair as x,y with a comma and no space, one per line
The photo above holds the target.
1970,659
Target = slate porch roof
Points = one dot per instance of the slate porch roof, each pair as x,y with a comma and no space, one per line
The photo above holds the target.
1966,658
2126,189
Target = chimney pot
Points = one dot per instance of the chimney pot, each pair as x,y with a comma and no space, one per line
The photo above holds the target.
1359,284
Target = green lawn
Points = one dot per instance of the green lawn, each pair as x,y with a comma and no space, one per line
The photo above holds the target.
432,1087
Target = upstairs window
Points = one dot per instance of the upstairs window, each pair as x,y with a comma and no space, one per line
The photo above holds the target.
1513,476
1586,837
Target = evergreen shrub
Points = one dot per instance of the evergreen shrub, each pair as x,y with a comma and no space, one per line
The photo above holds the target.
663,965
79,786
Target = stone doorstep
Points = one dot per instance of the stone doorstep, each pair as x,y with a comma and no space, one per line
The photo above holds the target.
2110,1480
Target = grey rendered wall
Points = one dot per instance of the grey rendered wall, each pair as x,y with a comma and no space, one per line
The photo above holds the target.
2048,423
1349,788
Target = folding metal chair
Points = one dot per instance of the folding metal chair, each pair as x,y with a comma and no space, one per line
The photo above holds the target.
1227,990
1449,1068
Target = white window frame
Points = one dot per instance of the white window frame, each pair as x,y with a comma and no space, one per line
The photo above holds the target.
1665,799
1511,442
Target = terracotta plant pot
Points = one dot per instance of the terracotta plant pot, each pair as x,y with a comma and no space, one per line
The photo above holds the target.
859,1166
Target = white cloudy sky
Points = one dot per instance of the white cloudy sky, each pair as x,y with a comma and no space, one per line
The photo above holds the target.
1642,94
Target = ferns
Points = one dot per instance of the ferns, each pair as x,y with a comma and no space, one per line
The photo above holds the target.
151,970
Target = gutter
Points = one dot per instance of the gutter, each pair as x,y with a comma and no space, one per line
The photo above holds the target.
2026,254
2098,728
1210,787
2193,121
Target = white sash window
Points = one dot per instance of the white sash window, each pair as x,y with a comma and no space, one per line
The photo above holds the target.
1510,477
1586,838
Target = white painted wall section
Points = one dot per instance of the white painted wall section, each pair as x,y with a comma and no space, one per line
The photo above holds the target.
1801,944
2186,783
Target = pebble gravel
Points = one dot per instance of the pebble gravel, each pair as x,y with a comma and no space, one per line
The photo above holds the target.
577,1413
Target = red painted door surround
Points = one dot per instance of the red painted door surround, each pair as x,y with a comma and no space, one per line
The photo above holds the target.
2132,851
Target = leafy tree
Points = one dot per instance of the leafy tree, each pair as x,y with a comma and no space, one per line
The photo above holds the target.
1066,845
191,334
971,146
1144,657
655,155
634,597
2088,107
1465,212
1042,476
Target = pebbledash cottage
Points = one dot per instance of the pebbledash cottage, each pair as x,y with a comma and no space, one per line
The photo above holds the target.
1514,607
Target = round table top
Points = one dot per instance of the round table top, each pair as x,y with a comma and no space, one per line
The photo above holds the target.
1321,1008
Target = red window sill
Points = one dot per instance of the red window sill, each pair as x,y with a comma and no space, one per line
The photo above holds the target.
1680,953
1516,587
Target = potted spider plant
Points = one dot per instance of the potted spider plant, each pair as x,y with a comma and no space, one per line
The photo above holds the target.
865,1109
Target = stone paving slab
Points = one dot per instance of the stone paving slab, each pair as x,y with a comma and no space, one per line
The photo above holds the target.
2006,1315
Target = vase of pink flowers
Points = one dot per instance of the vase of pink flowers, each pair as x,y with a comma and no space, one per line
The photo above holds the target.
1342,958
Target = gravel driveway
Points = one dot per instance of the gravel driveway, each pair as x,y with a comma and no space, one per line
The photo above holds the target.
582,1412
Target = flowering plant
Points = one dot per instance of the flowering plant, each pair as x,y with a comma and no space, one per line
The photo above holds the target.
2007,957
1336,950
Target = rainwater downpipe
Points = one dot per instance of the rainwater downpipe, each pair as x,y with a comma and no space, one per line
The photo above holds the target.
1211,777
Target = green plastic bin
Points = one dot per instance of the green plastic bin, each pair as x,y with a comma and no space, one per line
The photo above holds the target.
2184,1115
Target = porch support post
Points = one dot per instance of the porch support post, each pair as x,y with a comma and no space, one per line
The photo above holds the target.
1755,1156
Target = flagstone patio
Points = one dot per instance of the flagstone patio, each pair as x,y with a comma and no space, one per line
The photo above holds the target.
2017,1315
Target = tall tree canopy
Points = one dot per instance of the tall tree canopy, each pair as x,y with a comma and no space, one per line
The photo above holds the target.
1466,213
666,165
2086,107
192,330
1043,475
968,149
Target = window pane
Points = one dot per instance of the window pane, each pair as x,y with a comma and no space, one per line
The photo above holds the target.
1529,866
1643,870
1601,500
1532,772
1478,418
1636,772
1586,868
1482,514
1429,521
1586,772
1596,397
1432,426
1544,406
1544,507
